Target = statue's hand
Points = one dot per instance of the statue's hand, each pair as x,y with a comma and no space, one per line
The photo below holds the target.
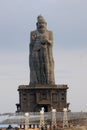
48,41
44,42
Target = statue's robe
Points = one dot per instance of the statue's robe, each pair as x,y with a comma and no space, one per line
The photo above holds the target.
41,58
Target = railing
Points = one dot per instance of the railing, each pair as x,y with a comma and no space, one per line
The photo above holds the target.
18,118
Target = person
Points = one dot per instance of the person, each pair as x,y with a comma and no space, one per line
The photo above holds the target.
41,60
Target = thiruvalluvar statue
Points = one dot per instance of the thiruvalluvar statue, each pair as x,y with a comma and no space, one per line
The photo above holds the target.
41,60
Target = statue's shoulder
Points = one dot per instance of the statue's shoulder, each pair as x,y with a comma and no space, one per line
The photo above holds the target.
33,35
33,32
49,32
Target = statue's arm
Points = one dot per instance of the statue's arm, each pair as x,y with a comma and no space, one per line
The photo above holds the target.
50,40
31,42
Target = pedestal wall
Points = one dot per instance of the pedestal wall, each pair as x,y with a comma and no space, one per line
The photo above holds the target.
32,98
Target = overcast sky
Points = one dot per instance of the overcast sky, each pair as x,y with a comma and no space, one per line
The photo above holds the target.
68,21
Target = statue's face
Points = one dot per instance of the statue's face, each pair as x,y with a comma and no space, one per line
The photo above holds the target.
41,25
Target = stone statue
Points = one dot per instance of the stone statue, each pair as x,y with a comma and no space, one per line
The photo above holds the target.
41,57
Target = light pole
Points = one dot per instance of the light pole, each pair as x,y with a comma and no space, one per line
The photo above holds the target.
53,116
42,118
65,119
26,121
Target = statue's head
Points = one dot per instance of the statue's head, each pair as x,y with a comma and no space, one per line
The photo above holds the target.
41,23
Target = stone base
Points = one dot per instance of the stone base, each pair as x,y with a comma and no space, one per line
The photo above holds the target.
33,98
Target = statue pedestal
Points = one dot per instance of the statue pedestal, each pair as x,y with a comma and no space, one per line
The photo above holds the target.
32,98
